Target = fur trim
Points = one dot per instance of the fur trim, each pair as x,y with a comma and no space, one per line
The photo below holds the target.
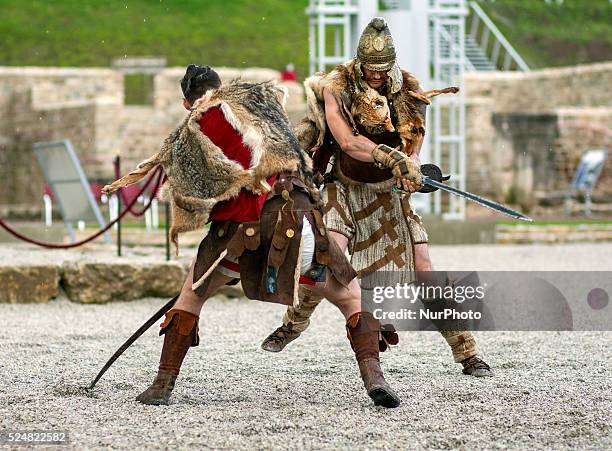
251,137
284,95
343,83
199,173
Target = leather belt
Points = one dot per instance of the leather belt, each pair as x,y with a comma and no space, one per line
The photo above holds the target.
360,171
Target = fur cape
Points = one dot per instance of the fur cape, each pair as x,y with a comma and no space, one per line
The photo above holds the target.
200,175
409,106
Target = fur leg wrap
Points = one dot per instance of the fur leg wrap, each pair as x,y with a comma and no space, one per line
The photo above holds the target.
298,318
462,343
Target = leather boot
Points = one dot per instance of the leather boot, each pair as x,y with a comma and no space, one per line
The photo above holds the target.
295,321
281,337
475,366
181,331
363,331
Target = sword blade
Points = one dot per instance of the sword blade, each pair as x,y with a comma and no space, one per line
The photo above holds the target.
478,199
133,338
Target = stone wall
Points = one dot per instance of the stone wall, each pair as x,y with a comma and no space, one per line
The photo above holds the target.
45,104
581,129
543,90
526,132
87,107
528,139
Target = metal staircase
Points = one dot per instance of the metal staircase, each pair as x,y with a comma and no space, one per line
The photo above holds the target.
476,56
486,48
455,47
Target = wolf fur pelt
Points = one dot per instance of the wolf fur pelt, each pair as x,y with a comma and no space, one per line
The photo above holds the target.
365,107
200,175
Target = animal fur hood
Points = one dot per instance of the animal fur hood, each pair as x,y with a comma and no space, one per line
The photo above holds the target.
343,84
200,175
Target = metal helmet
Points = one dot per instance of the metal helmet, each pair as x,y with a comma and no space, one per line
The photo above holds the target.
376,50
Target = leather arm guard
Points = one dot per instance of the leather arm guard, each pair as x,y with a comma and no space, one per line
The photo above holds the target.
402,166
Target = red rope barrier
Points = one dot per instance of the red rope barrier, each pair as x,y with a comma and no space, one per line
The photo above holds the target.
159,172
160,181
147,183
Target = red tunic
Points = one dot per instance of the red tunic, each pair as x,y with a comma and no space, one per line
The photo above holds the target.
246,206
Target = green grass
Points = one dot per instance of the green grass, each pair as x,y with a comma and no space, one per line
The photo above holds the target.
555,33
264,33
237,33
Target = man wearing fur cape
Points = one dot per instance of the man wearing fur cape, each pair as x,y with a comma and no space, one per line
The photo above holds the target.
370,156
235,161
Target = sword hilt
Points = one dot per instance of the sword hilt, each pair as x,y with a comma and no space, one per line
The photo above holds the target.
434,173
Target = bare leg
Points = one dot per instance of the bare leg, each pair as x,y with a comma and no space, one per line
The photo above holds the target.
347,299
421,256
191,302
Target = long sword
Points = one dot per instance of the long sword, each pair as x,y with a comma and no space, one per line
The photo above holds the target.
478,199
132,339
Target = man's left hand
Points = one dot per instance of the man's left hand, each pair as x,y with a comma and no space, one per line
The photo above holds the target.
408,174
411,184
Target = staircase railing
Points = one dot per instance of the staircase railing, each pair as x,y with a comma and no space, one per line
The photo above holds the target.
456,52
481,30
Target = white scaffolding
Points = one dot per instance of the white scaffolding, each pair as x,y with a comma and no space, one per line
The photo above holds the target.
330,18
447,113
335,26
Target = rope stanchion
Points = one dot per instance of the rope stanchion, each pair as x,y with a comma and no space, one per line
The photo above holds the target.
160,176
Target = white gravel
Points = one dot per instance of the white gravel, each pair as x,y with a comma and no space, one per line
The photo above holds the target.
551,390
27,254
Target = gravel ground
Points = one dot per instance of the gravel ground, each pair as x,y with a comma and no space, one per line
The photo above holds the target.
551,390
27,254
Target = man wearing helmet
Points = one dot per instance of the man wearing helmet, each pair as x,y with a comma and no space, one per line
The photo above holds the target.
362,212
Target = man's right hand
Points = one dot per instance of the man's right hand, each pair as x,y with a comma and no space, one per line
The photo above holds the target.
402,166
386,156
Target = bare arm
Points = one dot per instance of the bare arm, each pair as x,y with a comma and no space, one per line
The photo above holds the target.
358,147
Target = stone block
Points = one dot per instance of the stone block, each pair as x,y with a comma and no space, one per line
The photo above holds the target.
38,283
99,282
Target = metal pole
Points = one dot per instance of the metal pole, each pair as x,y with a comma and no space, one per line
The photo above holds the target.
48,210
167,229
119,224
118,165
321,42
